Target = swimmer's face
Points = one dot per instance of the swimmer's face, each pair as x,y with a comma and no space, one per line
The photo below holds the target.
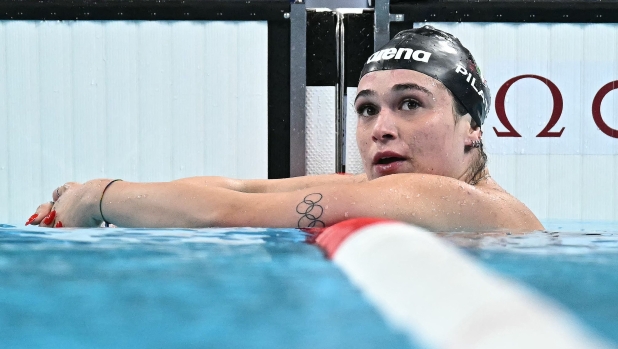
406,124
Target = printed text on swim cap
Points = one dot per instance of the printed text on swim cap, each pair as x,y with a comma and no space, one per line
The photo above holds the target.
390,53
472,81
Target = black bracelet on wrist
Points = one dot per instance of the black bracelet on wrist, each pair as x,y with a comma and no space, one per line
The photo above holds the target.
101,201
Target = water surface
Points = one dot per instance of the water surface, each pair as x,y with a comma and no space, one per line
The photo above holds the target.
164,288
256,288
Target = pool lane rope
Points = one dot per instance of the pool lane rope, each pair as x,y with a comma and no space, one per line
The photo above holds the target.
441,297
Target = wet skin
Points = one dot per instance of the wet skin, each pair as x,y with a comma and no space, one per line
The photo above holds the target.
409,116
417,159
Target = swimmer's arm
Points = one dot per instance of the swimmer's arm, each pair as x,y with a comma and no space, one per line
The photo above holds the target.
436,203
273,185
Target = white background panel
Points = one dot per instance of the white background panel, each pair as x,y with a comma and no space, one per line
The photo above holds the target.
154,70
5,193
615,189
532,181
578,58
598,182
600,57
147,101
565,187
320,130
353,161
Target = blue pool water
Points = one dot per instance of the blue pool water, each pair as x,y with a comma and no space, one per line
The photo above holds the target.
212,288
574,263
255,288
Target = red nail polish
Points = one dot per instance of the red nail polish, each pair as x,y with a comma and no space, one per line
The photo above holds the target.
32,218
59,224
50,217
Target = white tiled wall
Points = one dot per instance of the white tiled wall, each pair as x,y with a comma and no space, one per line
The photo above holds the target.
144,101
320,136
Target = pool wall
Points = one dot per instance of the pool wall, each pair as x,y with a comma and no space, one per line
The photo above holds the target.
138,100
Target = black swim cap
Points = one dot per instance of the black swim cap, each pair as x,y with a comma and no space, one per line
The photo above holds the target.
441,56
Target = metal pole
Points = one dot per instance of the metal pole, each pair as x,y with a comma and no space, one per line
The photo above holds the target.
381,24
340,110
298,86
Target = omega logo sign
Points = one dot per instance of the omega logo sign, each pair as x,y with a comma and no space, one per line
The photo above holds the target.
557,109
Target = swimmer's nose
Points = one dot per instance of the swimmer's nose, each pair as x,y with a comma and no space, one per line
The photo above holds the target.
384,128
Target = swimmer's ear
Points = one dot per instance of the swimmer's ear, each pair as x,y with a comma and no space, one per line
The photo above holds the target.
474,125
473,136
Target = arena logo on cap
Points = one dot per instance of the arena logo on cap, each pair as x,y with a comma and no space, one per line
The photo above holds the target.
472,80
393,53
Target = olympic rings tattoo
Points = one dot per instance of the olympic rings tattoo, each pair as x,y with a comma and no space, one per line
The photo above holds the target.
310,211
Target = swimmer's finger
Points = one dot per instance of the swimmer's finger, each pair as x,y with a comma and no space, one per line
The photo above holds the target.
41,212
48,220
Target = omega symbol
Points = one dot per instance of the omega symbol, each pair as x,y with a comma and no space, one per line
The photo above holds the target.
553,119
557,109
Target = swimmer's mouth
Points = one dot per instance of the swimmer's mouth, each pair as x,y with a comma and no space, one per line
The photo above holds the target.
386,161
387,158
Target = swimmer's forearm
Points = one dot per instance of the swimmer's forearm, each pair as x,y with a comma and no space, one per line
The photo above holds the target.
180,204
169,204
273,185
185,204
214,182
299,183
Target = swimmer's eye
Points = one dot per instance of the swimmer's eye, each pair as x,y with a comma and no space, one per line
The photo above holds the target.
410,104
366,110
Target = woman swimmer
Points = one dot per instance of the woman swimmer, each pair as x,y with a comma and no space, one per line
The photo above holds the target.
421,101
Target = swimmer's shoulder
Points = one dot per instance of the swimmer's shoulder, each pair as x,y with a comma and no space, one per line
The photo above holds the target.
512,209
492,203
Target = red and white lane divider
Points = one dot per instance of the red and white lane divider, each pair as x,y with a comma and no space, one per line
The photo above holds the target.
441,297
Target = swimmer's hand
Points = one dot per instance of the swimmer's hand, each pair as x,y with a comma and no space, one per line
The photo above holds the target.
73,205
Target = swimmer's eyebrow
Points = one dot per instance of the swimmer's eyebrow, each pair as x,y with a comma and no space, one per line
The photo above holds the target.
404,87
364,93
396,88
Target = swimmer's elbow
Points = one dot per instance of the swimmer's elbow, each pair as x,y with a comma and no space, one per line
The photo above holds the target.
212,207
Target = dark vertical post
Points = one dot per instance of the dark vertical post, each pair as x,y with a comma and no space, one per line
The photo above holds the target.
340,110
278,99
298,85
358,44
323,55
